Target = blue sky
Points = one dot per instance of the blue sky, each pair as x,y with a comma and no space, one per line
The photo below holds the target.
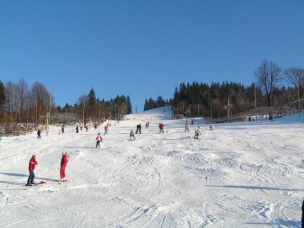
144,48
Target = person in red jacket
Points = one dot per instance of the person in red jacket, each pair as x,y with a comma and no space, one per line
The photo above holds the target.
63,164
32,164
161,128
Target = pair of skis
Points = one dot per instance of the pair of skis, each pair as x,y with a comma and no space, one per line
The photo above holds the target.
35,184
43,182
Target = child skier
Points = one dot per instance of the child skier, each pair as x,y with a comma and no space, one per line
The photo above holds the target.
98,140
186,126
63,164
197,132
106,130
132,134
32,164
161,128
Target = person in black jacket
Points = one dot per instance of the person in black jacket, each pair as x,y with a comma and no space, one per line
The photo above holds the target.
38,134
138,129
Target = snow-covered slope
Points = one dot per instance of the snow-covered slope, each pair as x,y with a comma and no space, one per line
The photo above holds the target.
237,175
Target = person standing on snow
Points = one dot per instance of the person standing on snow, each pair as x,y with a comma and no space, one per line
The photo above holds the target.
106,130
132,134
138,129
32,164
62,129
197,132
98,140
77,129
38,134
186,126
63,164
161,128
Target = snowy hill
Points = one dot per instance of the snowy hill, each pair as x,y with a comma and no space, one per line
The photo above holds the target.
237,175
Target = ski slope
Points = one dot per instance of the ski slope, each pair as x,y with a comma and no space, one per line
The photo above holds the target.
237,175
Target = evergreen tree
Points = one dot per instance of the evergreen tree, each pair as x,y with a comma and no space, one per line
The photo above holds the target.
2,95
92,97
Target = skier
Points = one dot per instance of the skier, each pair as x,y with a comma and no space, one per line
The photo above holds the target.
197,132
32,164
106,130
77,129
186,126
210,127
38,134
98,140
161,128
63,164
132,134
138,129
62,129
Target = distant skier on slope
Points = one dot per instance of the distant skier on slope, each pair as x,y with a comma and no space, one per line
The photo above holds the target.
106,130
138,129
98,140
161,128
186,126
132,134
32,164
38,134
197,132
63,164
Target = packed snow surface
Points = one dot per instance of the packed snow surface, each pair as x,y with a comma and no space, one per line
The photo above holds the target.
246,174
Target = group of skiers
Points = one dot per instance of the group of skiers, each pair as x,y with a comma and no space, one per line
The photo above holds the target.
33,163
161,129
64,160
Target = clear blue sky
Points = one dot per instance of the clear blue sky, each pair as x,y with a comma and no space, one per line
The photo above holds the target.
144,48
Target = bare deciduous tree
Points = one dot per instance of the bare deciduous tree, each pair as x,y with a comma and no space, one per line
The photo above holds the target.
268,77
295,76
41,98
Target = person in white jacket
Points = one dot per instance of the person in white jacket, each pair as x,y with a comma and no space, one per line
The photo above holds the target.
197,132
